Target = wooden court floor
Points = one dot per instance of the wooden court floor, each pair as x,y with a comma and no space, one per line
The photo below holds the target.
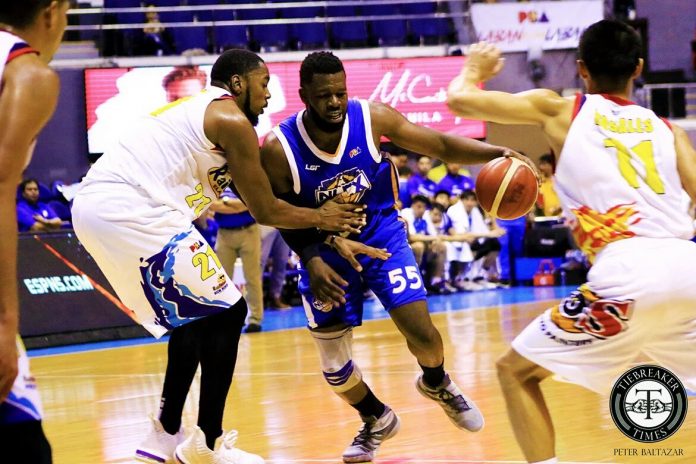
96,403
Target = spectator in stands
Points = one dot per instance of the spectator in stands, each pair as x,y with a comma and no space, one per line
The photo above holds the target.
442,197
239,237
476,263
184,81
154,39
274,247
430,251
454,182
418,183
548,203
32,214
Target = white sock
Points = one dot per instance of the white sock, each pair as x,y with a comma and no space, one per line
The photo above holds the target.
553,460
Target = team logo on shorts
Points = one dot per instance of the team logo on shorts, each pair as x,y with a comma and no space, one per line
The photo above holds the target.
585,312
219,179
346,187
648,403
321,306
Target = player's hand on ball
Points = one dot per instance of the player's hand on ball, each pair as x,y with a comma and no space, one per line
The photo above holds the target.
510,153
484,60
349,249
325,283
342,217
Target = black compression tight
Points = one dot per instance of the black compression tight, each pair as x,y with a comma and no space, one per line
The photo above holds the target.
211,341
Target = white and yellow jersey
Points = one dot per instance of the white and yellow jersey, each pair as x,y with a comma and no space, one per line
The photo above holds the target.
169,157
617,175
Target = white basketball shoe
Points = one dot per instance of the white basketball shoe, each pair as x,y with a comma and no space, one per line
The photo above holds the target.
158,446
194,450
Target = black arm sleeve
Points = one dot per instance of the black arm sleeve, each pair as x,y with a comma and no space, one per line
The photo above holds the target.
305,242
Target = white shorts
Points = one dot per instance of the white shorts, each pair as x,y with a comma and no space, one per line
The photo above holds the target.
640,298
459,251
160,266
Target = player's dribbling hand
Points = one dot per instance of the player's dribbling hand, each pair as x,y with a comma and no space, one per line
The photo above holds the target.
510,153
8,360
325,283
349,249
342,217
483,62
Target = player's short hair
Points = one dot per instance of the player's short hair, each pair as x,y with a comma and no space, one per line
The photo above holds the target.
468,195
234,62
21,13
319,63
611,51
421,199
180,73
441,192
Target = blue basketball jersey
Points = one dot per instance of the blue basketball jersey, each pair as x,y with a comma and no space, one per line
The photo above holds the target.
357,173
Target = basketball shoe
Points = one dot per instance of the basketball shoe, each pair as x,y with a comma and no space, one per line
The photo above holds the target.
195,451
158,445
372,433
461,410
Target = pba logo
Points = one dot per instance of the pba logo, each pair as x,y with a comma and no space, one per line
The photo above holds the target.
354,152
532,16
648,403
347,187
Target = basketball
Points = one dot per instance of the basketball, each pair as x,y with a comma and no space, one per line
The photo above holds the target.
506,188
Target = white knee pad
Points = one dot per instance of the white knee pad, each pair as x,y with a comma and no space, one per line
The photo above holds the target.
336,358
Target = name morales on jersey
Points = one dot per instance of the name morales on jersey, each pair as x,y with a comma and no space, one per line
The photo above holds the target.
623,125
346,187
219,179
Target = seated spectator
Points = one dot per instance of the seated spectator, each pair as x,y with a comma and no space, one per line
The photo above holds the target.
430,251
154,39
442,197
418,183
454,182
548,203
32,214
475,264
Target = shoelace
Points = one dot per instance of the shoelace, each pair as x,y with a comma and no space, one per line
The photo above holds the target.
456,403
366,437
229,439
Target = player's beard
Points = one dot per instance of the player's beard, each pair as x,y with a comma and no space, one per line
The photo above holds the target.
322,124
253,118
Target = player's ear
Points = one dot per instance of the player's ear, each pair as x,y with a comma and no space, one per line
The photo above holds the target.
582,69
236,84
303,95
639,69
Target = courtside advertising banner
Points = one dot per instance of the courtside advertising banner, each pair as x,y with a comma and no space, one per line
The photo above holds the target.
519,27
416,87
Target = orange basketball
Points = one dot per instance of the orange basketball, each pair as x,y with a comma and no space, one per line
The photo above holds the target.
506,188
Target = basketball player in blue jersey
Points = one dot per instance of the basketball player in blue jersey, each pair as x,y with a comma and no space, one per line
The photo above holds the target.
30,33
621,173
329,151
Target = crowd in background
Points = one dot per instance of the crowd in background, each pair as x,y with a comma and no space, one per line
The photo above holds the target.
457,246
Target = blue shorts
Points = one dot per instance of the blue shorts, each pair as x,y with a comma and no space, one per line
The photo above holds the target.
396,281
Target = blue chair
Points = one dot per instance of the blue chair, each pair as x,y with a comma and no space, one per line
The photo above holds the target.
310,35
266,36
349,33
164,2
230,37
430,30
61,209
387,31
